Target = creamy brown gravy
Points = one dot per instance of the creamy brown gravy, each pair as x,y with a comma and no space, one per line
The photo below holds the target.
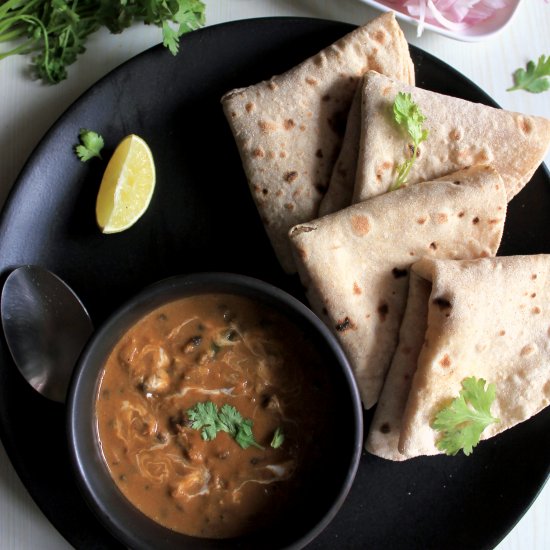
224,349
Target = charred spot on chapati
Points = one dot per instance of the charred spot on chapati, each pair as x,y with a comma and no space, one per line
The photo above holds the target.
383,310
289,124
345,324
291,176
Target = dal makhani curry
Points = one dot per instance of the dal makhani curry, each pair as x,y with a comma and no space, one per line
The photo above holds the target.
209,412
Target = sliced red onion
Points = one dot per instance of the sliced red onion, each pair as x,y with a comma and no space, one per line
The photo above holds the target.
455,15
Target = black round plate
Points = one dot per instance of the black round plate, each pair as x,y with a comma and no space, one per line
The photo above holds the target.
202,218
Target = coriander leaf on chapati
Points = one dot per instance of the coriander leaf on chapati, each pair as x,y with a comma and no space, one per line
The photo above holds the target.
462,422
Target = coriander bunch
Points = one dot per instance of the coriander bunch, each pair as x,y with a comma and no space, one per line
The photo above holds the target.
54,32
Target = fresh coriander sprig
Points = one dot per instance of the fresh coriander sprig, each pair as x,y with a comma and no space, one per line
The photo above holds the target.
91,144
204,417
244,436
463,421
534,78
278,438
408,116
207,418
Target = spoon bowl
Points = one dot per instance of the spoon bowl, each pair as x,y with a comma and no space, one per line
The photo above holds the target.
46,327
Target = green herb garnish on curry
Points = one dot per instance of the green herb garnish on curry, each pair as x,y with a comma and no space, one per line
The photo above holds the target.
209,420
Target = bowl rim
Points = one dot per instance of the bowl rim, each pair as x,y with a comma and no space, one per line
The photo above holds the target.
110,332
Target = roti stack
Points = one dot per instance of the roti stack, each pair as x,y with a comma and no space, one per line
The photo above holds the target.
355,263
487,318
461,133
289,129
405,278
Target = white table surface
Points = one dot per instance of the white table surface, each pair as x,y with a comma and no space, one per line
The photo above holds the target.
27,109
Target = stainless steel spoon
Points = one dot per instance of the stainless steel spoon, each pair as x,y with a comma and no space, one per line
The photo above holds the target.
46,326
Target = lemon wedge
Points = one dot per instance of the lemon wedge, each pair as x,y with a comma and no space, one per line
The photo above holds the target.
127,186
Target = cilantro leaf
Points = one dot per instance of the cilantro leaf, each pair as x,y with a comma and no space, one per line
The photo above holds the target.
207,418
278,438
230,418
204,417
170,38
408,116
190,15
90,145
462,422
535,78
244,436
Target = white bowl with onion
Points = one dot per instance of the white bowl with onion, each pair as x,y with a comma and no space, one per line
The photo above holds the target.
465,20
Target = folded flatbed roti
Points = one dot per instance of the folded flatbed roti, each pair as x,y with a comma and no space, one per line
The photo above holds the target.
289,129
488,318
385,427
342,180
355,263
461,133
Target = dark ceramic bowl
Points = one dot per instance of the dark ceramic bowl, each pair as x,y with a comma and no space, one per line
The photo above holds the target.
316,508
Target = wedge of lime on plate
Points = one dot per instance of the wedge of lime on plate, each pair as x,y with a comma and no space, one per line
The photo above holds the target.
127,186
